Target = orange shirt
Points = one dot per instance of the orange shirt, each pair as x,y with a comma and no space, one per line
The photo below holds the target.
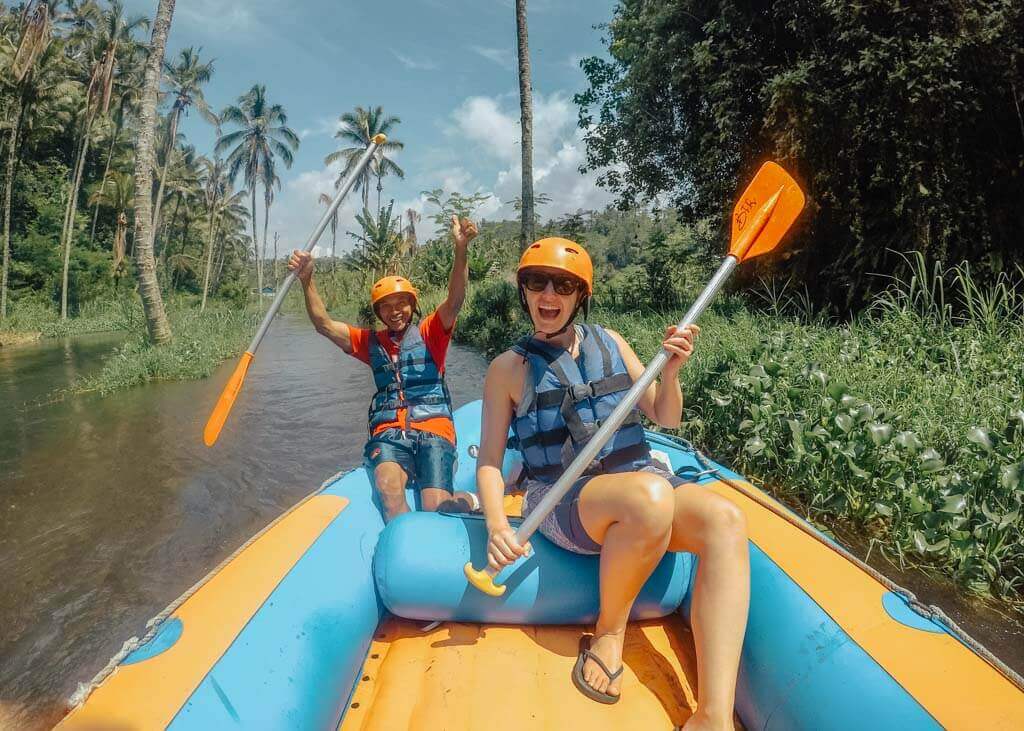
436,338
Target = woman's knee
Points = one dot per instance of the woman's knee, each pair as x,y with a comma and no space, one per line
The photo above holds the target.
724,522
648,503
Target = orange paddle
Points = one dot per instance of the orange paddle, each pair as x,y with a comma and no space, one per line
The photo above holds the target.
762,215
227,397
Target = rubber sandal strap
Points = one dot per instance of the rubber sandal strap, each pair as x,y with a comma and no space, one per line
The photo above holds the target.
587,654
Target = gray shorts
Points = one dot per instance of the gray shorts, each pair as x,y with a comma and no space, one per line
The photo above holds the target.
562,525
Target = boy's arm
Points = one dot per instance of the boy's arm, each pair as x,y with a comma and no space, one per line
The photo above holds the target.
462,233
339,333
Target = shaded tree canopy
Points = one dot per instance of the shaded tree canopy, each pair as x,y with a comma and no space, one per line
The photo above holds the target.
902,120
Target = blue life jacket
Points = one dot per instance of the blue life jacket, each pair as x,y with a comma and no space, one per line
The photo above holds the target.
565,401
414,382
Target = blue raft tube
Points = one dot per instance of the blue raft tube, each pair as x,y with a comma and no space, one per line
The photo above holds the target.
325,619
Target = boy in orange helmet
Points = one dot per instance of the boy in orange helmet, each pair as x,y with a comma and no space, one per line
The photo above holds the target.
412,436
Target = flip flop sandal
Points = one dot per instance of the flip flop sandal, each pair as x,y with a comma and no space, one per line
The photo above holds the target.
582,685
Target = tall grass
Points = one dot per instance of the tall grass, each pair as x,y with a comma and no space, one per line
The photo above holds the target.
201,342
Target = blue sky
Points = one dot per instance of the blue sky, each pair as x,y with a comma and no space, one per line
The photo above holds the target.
447,68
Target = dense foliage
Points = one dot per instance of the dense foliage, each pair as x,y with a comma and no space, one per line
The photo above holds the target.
902,120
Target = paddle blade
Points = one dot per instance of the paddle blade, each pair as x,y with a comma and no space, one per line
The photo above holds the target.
764,212
227,399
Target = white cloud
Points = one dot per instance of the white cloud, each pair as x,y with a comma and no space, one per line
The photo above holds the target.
415,64
297,210
491,127
229,17
504,57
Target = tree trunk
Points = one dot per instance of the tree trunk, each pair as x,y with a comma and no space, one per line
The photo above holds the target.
526,108
256,249
209,254
8,189
163,173
106,171
72,210
163,255
263,257
275,261
149,289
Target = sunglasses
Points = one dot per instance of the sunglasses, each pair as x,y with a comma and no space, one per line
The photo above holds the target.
538,282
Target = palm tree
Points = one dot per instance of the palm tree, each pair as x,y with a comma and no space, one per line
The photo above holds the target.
526,121
327,200
36,27
185,79
116,192
358,127
106,35
43,85
149,289
262,137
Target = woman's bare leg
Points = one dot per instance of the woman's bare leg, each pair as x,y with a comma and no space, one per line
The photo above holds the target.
630,515
714,529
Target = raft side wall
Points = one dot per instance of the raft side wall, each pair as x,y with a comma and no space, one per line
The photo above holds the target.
295,663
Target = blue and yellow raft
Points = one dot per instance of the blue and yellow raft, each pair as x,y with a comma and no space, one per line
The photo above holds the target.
325,619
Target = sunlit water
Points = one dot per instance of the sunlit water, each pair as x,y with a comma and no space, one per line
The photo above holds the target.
110,508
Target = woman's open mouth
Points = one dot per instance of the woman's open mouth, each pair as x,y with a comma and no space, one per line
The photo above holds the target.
549,313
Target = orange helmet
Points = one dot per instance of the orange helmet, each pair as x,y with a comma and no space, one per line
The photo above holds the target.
556,253
391,285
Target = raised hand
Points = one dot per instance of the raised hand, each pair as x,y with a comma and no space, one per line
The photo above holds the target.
463,231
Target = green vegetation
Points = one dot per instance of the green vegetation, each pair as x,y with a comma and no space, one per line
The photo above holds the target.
901,120
71,88
201,343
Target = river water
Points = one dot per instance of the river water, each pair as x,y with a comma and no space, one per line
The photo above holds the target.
110,508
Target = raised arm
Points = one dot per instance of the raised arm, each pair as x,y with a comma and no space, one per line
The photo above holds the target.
502,548
463,232
662,402
337,332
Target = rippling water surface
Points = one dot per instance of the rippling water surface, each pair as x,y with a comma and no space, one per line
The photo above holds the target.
110,508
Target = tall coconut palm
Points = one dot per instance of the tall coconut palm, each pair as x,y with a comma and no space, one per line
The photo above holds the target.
116,192
149,289
264,136
526,122
107,37
36,32
358,127
44,86
185,78
327,200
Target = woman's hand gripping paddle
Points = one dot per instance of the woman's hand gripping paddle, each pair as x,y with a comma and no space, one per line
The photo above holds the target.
761,217
227,397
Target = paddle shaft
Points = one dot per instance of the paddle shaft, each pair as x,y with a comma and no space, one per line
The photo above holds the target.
619,414
313,238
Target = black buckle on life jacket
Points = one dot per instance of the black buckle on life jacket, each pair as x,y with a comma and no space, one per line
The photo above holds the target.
580,391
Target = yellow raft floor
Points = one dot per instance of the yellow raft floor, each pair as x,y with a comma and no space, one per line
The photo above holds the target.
495,677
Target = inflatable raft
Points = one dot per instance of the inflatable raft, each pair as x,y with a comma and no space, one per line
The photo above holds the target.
328,620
